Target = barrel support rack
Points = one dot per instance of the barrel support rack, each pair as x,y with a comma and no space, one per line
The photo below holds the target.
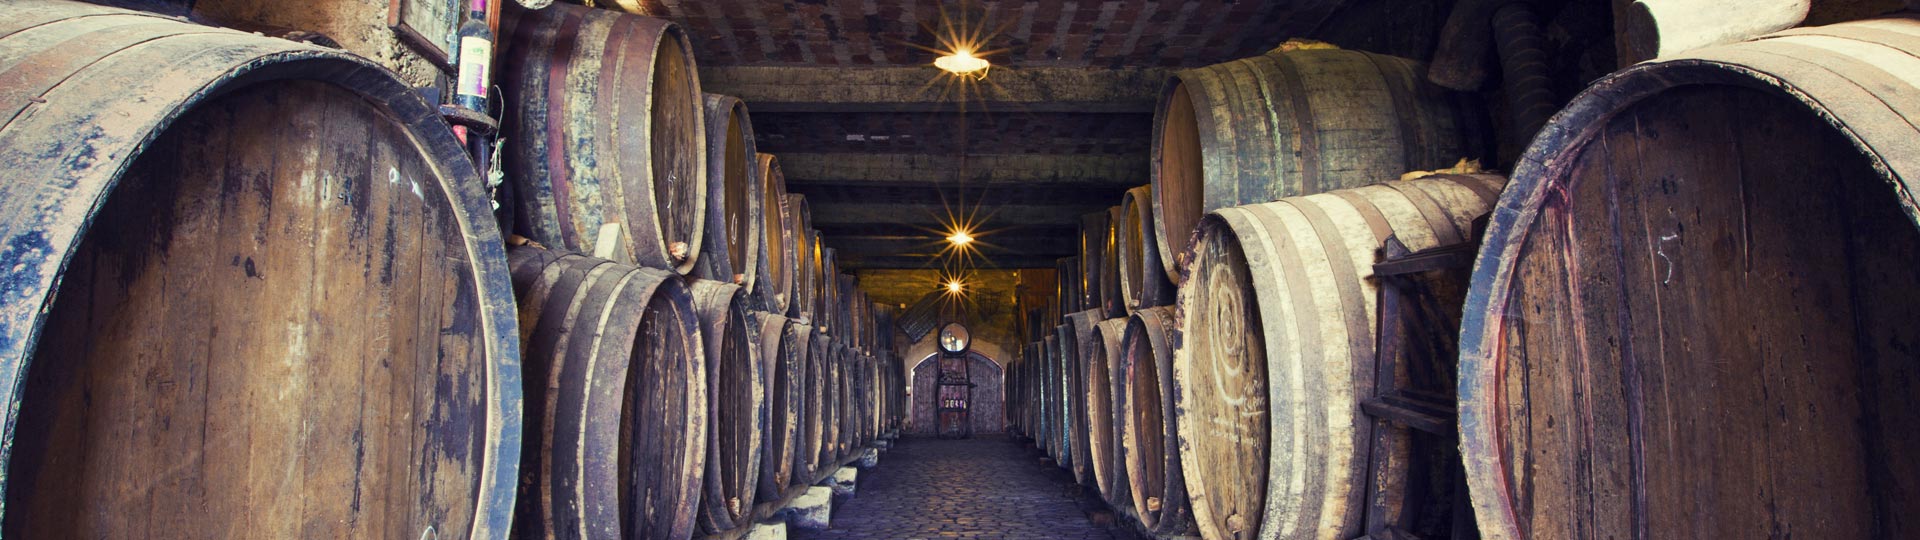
1412,328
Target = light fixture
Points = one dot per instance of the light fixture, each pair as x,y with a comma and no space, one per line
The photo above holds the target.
960,237
962,63
954,286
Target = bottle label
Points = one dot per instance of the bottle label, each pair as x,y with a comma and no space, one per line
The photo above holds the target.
475,54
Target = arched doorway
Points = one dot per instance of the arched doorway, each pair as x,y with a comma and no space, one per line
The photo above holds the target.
988,406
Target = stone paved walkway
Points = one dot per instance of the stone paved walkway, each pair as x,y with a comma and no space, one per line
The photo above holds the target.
987,487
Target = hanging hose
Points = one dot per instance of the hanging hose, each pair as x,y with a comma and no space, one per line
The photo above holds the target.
1523,63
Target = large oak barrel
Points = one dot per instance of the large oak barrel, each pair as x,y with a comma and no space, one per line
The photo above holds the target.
1106,398
1077,386
1154,478
806,267
1067,274
848,409
607,134
1061,390
1049,397
1094,240
778,239
619,431
1294,123
251,285
826,305
813,441
1143,279
806,445
1693,316
1278,350
829,349
730,251
782,354
736,392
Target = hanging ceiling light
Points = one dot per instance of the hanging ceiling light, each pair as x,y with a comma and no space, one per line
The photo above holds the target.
960,237
954,286
962,63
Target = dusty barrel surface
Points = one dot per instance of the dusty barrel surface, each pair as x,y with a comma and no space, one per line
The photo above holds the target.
1106,399
1143,279
1703,273
609,134
1294,123
237,265
1279,327
782,365
622,417
1154,478
737,395
774,287
731,251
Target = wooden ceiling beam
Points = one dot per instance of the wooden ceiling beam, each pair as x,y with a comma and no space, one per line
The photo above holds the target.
847,168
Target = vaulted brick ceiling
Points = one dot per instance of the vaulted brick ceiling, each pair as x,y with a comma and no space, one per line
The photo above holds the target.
888,150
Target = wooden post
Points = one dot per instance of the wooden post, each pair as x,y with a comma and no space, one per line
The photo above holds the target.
1651,29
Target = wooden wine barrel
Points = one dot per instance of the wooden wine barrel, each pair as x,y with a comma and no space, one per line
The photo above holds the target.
1078,389
1072,401
1067,271
737,396
730,251
608,134
238,265
829,349
848,409
782,355
1106,397
800,346
1295,123
1113,303
620,437
1049,398
806,268
819,405
1154,477
826,308
1703,273
1143,279
1093,248
848,295
1278,349
778,238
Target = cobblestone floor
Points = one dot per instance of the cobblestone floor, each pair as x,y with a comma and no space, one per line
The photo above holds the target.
988,487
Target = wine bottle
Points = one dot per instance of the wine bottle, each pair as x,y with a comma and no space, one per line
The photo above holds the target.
476,53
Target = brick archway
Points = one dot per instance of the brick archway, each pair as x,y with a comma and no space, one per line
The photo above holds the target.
988,409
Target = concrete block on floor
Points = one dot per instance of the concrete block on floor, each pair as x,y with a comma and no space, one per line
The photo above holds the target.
869,458
768,530
812,510
843,481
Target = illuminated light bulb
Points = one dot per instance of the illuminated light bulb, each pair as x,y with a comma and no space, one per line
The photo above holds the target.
963,62
953,287
960,238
